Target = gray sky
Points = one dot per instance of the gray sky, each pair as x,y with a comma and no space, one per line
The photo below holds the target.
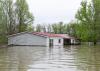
51,11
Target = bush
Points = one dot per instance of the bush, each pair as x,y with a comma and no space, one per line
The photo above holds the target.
3,39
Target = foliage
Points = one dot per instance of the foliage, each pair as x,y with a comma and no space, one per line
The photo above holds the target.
14,17
24,17
88,19
38,28
3,39
59,28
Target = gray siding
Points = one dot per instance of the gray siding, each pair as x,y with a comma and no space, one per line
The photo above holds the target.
27,39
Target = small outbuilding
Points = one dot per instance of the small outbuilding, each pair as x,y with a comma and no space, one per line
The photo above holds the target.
40,39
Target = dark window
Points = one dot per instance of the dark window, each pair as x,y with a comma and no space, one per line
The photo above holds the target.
59,41
51,41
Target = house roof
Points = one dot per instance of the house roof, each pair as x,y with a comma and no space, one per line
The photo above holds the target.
47,34
52,35
25,33
44,34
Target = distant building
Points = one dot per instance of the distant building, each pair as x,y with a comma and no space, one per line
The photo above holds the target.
40,39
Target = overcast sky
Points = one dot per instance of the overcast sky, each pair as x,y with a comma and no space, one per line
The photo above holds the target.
51,11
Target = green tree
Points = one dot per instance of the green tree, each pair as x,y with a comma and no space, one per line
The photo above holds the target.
14,18
44,28
5,20
30,28
55,28
88,18
59,28
8,16
2,18
38,28
49,28
96,26
24,17
72,28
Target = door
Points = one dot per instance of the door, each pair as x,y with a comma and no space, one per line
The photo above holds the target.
67,41
51,42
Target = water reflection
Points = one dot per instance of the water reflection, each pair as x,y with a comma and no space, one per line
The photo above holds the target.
88,58
18,58
58,58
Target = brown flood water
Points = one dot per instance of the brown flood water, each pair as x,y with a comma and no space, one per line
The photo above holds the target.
69,58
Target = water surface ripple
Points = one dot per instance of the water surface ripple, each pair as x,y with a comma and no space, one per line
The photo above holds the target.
57,58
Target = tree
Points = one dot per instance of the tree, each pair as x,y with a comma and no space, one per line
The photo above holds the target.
44,28
59,28
30,28
55,28
96,28
2,18
24,17
71,28
49,28
14,18
6,20
38,28
84,19
8,16
88,18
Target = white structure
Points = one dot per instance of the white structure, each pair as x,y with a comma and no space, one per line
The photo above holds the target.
74,41
40,39
36,39
54,41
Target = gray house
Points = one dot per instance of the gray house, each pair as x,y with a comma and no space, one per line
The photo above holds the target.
25,38
40,39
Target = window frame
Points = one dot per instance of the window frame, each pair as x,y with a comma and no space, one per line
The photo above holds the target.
59,40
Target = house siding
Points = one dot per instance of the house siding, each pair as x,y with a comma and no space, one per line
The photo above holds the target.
75,41
56,41
47,41
27,39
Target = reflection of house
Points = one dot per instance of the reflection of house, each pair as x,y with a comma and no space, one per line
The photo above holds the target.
40,38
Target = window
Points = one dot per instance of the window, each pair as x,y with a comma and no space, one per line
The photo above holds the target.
51,41
59,41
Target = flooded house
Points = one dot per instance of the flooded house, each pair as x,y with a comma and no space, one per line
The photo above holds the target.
40,39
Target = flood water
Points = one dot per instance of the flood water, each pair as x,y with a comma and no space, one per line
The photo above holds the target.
57,58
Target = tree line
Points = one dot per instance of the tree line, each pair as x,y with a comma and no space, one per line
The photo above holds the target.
57,28
86,25
88,21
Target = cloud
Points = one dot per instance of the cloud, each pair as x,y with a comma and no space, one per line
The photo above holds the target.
50,11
